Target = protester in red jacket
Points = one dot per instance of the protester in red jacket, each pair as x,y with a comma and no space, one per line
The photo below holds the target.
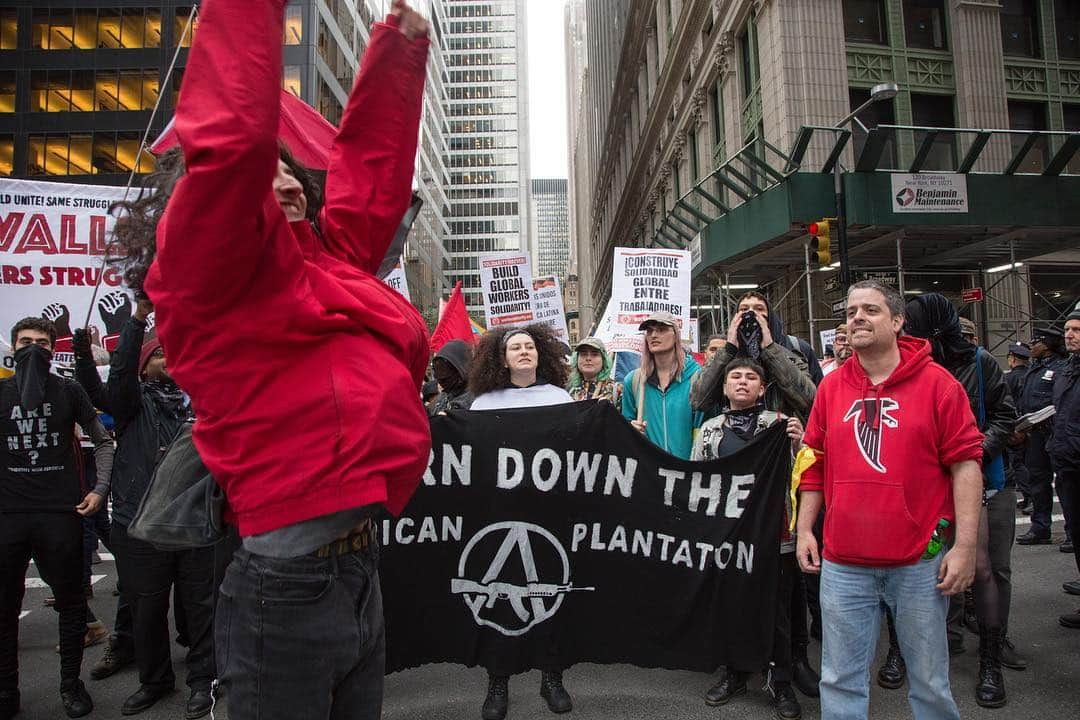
303,368
898,455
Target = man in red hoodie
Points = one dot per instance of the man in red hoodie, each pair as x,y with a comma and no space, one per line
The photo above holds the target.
898,455
328,428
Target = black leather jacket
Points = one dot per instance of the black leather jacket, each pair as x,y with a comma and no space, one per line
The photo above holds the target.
1000,409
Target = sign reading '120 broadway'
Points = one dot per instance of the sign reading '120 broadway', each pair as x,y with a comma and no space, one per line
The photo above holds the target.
550,536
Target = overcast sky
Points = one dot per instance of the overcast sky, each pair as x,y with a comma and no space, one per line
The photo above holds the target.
547,88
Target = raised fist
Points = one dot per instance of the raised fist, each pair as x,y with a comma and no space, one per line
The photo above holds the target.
61,318
80,345
411,23
115,308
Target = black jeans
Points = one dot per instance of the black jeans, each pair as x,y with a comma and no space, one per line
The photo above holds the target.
55,541
148,576
1001,520
302,637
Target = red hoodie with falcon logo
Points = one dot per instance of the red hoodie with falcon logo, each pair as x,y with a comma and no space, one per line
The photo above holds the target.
884,453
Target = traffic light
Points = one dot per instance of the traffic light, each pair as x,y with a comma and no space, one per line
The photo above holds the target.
819,241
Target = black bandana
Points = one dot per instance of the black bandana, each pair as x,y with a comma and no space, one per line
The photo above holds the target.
744,422
31,373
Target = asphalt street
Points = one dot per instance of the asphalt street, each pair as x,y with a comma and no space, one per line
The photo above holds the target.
1048,689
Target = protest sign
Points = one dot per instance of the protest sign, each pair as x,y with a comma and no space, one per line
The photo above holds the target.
644,282
52,240
548,305
549,536
397,280
506,280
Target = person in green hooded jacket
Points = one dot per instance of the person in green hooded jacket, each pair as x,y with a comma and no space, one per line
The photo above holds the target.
662,383
590,374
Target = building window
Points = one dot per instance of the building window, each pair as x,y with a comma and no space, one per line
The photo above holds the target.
1067,22
7,155
879,113
294,25
7,91
864,21
935,111
180,22
9,30
290,80
924,24
1020,28
1029,116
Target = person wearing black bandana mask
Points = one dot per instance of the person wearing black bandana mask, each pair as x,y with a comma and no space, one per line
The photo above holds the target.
933,318
42,504
729,432
149,409
451,369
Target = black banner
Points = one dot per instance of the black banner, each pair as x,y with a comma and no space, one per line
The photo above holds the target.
550,536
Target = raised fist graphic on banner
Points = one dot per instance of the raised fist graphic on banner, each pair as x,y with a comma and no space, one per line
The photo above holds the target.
61,318
115,308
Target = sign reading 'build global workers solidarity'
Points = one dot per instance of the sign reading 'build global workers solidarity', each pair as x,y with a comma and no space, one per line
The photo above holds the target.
506,279
549,536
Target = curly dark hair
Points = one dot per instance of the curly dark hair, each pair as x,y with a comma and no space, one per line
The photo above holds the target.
489,371
134,237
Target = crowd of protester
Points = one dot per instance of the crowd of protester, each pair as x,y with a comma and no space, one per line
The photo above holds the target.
894,520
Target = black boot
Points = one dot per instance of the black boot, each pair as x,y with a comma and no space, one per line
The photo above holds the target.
9,704
786,704
1010,658
893,671
970,621
77,702
498,698
990,690
553,692
803,675
728,685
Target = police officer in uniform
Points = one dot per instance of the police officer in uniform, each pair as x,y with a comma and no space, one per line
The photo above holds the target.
1019,354
1037,391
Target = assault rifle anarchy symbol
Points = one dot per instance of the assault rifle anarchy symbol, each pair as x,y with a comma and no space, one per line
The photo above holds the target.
514,593
544,598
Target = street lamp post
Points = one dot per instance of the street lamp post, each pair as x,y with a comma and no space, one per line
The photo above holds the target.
884,91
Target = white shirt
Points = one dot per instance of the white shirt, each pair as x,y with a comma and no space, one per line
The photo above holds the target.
532,396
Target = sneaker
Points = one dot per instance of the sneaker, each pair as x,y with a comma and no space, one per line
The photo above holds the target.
1071,620
1072,587
1066,547
1010,658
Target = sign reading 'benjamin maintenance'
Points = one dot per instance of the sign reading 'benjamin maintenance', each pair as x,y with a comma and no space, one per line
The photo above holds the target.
929,193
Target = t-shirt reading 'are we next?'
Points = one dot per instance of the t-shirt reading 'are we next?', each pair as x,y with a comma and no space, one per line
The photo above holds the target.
39,469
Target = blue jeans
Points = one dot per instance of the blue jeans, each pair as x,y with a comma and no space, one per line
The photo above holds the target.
301,637
851,598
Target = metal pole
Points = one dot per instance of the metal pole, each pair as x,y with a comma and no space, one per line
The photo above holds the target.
1015,288
900,262
841,229
809,295
724,293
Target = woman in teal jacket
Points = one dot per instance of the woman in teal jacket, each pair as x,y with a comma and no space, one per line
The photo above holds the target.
662,383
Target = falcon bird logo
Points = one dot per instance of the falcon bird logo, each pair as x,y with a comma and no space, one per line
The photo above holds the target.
870,415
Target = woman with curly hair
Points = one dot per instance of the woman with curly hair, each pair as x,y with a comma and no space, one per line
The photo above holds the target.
518,368
590,374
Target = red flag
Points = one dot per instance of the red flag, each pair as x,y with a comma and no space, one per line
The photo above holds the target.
454,323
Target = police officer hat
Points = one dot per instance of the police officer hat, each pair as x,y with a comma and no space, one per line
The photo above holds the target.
1020,350
1046,333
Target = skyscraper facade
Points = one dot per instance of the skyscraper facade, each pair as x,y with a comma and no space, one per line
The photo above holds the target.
550,229
485,55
